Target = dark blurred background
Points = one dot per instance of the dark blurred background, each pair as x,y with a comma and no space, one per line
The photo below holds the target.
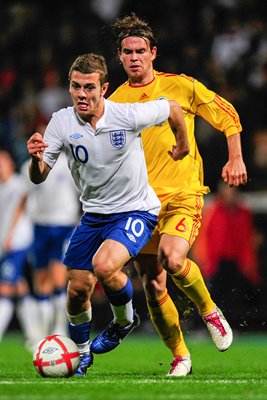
222,43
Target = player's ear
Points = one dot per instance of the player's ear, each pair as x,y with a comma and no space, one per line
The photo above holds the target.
69,80
119,56
104,88
153,53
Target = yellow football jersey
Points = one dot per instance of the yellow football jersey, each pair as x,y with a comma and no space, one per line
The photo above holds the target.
185,176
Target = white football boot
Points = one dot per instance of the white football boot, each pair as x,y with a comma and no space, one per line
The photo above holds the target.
181,366
219,329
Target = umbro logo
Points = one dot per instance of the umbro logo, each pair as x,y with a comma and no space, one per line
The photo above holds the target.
144,96
131,237
76,136
50,350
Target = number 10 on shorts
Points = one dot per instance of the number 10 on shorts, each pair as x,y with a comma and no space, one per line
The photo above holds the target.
136,226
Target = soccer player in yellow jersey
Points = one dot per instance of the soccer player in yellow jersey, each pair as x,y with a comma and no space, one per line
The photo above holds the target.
179,187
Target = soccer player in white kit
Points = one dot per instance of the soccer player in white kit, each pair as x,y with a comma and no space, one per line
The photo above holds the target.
54,209
15,242
102,142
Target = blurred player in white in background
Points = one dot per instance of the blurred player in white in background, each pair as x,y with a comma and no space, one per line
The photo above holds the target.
15,240
54,209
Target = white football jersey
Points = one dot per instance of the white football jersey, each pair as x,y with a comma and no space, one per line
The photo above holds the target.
108,164
11,193
56,200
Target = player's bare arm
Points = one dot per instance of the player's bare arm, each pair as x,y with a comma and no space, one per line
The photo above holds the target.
234,172
178,126
7,245
38,169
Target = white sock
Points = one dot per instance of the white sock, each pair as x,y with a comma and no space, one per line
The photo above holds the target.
6,314
46,315
85,316
27,314
123,315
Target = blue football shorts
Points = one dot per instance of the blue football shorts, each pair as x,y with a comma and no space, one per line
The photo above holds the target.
132,229
12,266
50,243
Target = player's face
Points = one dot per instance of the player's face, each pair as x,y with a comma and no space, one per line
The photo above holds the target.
137,59
87,94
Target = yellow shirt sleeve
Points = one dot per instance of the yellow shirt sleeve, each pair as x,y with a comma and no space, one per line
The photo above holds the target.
216,110
184,176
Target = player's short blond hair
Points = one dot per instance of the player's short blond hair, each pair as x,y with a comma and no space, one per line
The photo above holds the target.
90,63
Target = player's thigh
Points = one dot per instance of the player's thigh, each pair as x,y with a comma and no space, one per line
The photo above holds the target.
7,289
42,282
182,218
84,242
125,235
172,252
58,273
110,257
22,288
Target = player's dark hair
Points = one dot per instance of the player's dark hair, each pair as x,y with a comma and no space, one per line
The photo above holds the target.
131,25
90,63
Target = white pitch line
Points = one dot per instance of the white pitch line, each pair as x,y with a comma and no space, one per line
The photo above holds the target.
136,382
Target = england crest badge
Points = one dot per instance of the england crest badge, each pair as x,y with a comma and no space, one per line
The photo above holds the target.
118,138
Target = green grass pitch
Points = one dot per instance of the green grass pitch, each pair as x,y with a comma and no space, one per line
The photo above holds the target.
136,371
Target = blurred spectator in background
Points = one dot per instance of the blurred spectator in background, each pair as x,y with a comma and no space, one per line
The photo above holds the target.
107,10
8,78
52,96
257,100
230,45
259,160
226,250
15,240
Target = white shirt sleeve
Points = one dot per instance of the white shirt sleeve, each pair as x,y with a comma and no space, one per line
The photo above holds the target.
53,138
151,113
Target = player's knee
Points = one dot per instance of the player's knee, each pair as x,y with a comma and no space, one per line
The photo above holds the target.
171,259
103,268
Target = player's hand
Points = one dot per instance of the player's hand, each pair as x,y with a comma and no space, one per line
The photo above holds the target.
178,153
36,146
234,172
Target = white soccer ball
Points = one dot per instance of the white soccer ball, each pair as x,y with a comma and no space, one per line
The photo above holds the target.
56,356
